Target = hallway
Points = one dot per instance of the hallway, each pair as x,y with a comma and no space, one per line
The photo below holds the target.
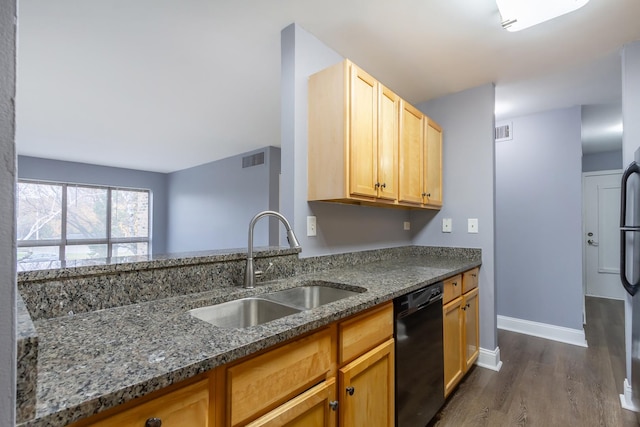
547,383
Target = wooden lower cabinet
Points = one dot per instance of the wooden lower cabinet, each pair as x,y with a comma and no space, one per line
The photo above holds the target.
461,334
367,389
453,322
187,406
317,407
293,384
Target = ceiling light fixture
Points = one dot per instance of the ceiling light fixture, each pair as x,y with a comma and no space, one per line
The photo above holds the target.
520,14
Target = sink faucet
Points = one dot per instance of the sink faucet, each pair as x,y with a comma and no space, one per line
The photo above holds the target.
250,273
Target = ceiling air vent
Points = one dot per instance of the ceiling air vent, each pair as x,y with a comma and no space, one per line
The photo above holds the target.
253,160
504,132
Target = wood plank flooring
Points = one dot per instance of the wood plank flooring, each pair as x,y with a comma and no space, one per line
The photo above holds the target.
547,383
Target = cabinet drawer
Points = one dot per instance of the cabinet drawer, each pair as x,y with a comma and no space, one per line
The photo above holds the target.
452,288
311,408
263,382
470,280
364,332
187,406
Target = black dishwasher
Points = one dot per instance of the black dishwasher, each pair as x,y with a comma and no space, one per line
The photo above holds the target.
419,356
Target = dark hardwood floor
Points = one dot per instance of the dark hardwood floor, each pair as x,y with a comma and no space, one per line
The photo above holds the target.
547,383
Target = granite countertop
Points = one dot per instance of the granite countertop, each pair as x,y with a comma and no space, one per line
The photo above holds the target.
93,361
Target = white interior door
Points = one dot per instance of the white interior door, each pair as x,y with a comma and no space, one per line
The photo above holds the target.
601,234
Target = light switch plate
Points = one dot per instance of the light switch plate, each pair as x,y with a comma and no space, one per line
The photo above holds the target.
407,225
472,225
447,225
311,226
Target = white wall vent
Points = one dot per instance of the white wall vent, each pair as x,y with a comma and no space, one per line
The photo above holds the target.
504,132
253,160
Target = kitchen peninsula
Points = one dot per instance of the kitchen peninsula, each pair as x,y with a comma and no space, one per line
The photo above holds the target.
108,334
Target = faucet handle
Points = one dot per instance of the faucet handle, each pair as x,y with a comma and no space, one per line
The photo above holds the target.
259,273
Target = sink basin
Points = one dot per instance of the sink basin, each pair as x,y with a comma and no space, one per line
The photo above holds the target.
307,297
243,312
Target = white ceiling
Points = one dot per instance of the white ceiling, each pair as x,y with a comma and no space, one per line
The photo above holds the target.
163,85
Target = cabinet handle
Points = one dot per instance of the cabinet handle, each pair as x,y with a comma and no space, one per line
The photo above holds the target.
153,422
351,390
428,194
333,405
377,185
474,275
455,283
384,185
424,194
464,307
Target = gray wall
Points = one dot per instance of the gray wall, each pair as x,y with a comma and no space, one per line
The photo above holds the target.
340,228
608,160
211,205
630,143
468,188
7,218
82,173
538,219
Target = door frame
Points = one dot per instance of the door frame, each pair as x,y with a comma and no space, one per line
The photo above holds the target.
584,230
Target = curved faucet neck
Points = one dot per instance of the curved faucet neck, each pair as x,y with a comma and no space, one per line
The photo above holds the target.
291,237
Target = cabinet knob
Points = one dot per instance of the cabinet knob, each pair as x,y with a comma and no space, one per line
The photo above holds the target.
384,185
428,194
377,185
424,194
333,405
153,422
351,390
455,283
474,275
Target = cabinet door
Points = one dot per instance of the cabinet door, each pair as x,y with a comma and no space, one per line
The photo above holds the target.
312,408
264,382
187,406
452,340
411,154
363,134
367,389
471,327
433,164
388,110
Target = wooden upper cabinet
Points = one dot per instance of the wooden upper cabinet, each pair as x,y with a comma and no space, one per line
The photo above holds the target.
411,154
363,140
388,107
433,164
366,145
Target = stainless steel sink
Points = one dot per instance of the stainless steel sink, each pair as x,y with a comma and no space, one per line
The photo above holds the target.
308,297
243,312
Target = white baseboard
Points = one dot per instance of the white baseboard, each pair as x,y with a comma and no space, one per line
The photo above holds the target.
543,330
489,359
625,399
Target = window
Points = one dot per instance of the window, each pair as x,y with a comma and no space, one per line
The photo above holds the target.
59,221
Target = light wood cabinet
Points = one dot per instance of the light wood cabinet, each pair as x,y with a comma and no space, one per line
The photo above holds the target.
461,318
363,146
432,174
353,136
452,334
420,158
411,154
264,382
316,407
295,384
186,406
367,389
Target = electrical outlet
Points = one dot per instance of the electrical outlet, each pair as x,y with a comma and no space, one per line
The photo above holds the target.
447,225
472,225
311,226
407,225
